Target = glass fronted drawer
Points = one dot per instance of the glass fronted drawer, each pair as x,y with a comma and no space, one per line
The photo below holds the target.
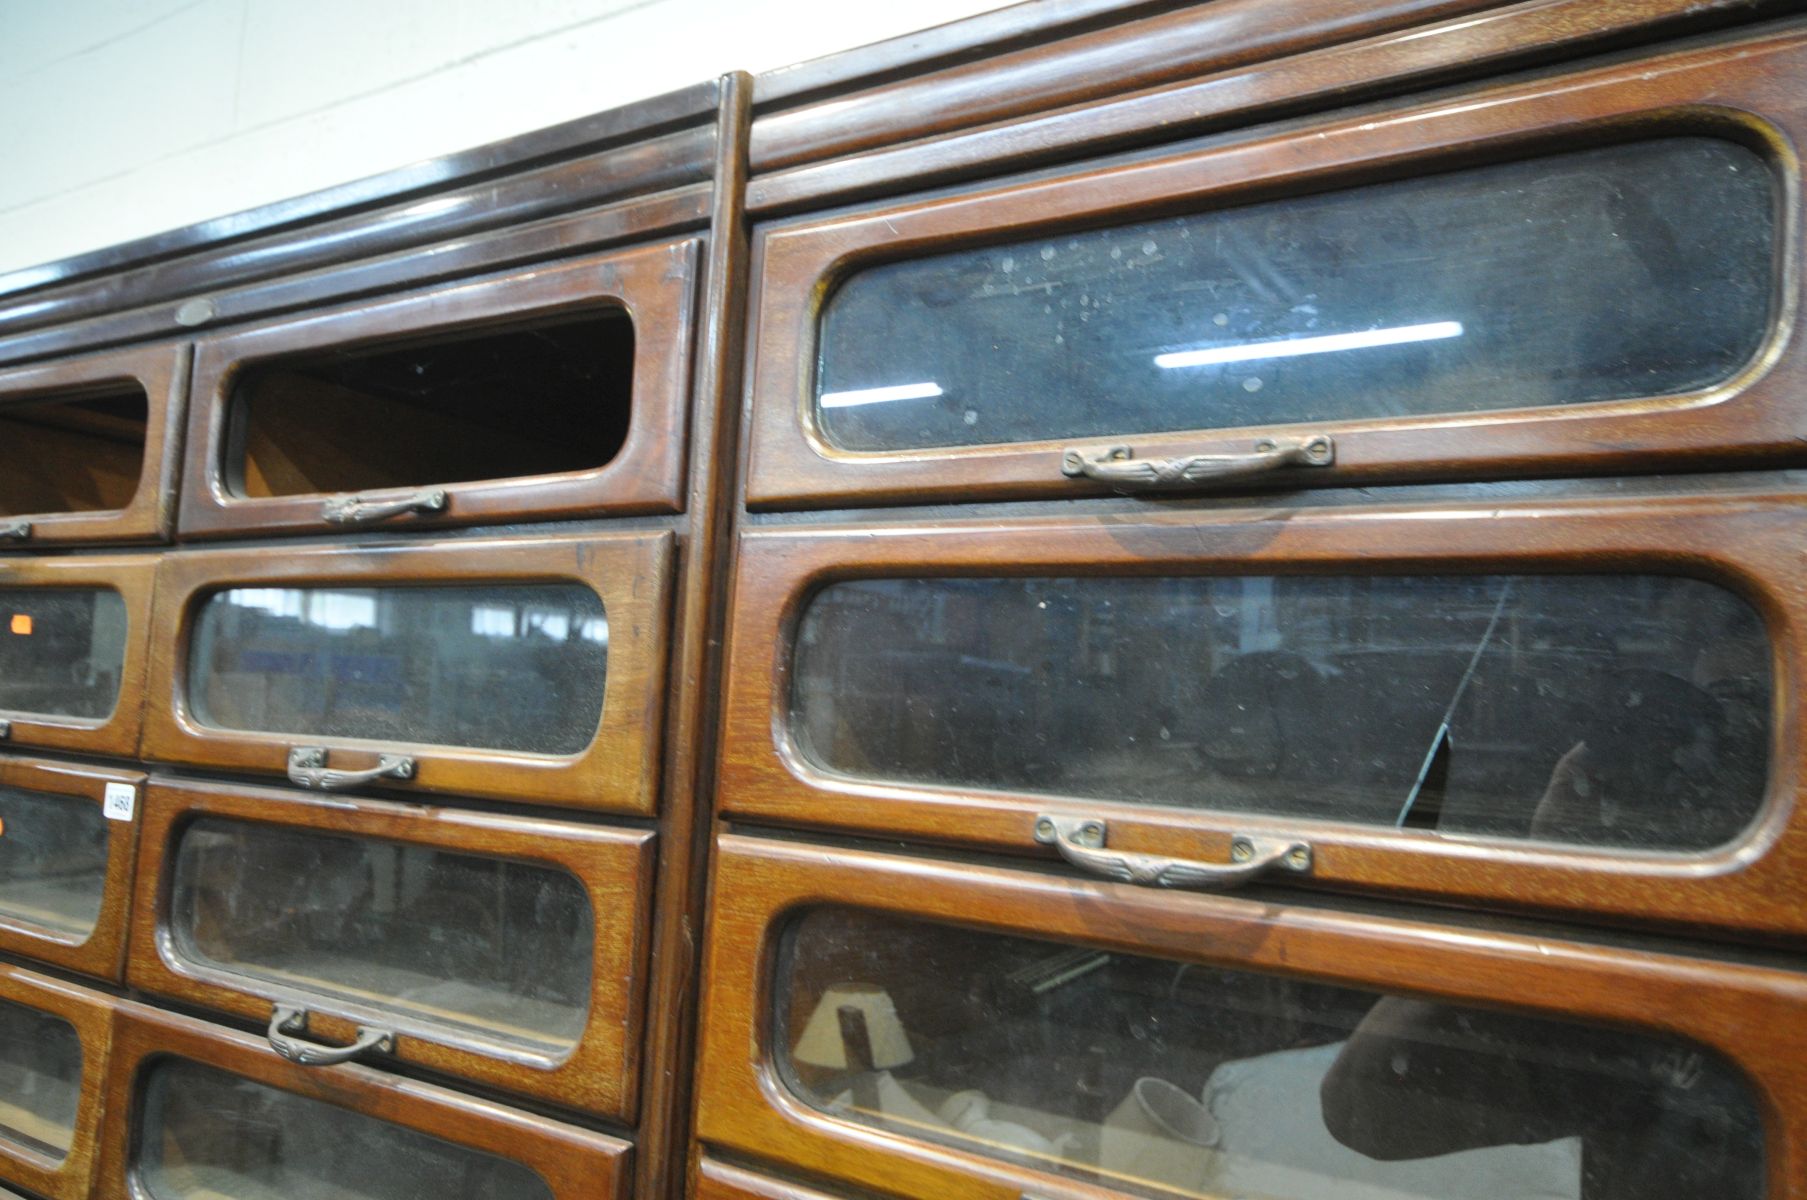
88,448
526,669
505,950
73,635
1311,304
557,392
936,1028
196,1112
68,837
1558,704
54,1042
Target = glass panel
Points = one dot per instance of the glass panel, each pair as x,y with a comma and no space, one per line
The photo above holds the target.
207,1135
61,651
40,1079
1602,710
501,947
53,860
498,666
465,405
1155,1074
1632,270
71,455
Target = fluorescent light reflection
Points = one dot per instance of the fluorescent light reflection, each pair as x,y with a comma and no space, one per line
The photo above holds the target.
879,395
1293,347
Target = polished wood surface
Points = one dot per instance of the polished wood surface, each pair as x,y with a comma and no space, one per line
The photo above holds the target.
600,1075
1227,102
1740,90
649,146
575,1163
102,952
717,1180
91,1014
139,498
1744,543
1084,68
133,578
619,770
1755,1016
654,285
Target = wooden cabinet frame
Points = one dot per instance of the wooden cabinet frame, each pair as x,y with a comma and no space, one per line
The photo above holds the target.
1741,91
91,1014
575,1163
133,578
655,285
600,1075
617,772
102,952
162,373
1748,544
1755,1016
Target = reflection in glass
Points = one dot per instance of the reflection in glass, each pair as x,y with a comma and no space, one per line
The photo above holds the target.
208,1134
53,860
1633,270
502,948
495,667
1154,1074
61,651
1624,711
40,1080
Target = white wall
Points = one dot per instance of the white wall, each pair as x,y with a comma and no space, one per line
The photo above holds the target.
120,118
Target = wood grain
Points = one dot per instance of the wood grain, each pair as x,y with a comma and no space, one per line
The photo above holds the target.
1755,1016
91,1014
619,770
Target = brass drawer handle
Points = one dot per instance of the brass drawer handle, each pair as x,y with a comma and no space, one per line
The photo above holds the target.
1080,841
286,1021
308,769
1119,466
360,510
15,531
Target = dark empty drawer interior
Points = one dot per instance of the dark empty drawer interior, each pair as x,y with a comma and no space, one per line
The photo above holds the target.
72,453
472,404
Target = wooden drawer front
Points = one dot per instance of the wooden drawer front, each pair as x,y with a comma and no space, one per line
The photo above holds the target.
1589,706
506,950
54,1042
88,448
199,1111
558,392
1315,308
72,651
931,1029
527,669
67,848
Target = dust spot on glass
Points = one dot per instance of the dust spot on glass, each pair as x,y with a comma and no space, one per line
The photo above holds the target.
1047,253
1252,384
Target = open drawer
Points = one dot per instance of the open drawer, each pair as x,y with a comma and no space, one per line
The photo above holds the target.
504,950
54,1042
1590,706
89,446
559,391
524,669
929,1028
73,633
197,1112
67,848
1308,307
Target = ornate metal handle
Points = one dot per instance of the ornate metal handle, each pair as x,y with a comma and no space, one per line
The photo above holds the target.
308,769
287,1021
6,729
360,510
15,531
1119,466
1080,841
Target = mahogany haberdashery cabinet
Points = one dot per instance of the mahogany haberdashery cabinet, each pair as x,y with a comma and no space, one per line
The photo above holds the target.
1115,600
